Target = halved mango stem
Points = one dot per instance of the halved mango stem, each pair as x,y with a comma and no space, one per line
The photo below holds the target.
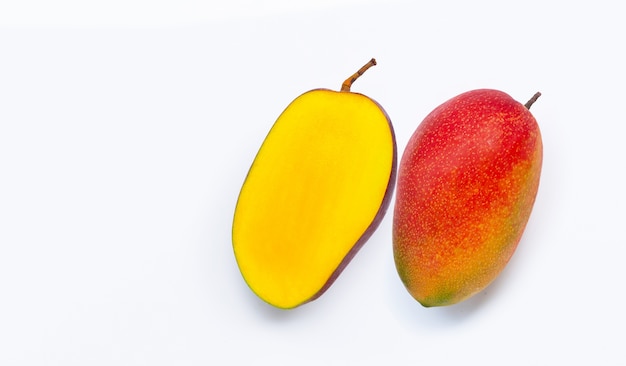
345,87
532,100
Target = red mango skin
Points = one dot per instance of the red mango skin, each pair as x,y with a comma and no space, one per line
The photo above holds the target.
467,182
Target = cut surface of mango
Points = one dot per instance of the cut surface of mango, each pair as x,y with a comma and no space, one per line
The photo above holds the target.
315,188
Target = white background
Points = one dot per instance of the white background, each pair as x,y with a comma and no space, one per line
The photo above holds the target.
127,128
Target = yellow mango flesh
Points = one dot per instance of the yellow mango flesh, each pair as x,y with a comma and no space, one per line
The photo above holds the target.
317,188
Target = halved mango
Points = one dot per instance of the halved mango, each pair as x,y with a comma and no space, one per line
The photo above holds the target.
317,189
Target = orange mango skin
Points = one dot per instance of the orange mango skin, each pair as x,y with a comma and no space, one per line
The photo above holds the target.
467,182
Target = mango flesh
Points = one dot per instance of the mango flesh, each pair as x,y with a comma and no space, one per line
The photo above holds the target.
317,189
467,183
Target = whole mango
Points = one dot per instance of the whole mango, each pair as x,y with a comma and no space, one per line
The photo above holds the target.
467,182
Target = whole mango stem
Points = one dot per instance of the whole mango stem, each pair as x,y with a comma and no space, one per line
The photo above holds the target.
345,87
532,100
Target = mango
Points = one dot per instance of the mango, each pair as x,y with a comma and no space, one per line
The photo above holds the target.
467,183
317,189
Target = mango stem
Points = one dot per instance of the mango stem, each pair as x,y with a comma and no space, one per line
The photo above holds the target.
532,100
345,87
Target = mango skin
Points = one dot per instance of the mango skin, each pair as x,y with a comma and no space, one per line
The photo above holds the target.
467,182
